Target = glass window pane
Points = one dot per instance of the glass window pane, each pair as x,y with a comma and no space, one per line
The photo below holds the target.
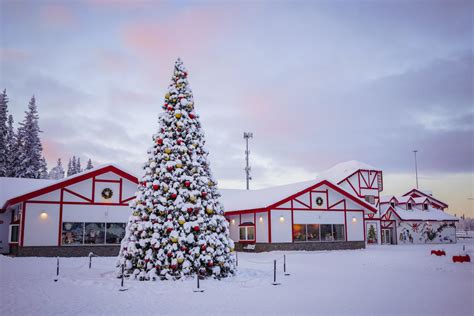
94,233
313,232
115,233
14,233
326,232
338,232
299,232
72,233
250,233
242,233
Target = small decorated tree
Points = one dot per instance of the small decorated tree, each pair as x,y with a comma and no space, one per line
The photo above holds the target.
371,235
177,227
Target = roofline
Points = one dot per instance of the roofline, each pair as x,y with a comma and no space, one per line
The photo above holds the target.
334,187
427,195
358,170
68,182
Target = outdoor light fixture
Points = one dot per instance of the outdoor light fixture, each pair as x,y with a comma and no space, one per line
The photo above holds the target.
354,220
233,221
44,215
260,219
282,219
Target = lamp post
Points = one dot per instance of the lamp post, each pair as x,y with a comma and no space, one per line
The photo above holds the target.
247,136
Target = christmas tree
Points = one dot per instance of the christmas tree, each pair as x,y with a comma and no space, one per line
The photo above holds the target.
177,227
372,237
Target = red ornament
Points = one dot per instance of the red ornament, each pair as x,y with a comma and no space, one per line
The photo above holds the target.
169,168
191,116
170,108
187,184
156,187
210,264
169,229
159,141
204,194
196,228
169,254
203,247
157,267
173,196
190,210
173,266
179,141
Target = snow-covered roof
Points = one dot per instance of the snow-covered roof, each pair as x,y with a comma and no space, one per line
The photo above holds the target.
17,189
387,198
12,187
420,200
343,170
431,214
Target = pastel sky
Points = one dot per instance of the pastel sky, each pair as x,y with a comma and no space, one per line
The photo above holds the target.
317,82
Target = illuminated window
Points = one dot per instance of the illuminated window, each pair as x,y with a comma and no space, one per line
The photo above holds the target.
318,232
247,233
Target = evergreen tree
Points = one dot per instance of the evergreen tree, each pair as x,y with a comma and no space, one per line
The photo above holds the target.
3,134
32,162
78,165
178,226
89,164
12,149
72,167
69,168
57,172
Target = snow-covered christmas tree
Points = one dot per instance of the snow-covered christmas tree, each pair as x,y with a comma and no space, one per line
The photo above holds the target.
178,226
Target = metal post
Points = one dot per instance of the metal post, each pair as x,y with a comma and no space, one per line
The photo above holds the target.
236,259
416,168
123,277
275,273
90,261
198,289
247,152
284,266
57,270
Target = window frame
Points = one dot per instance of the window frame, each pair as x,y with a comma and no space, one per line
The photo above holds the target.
10,230
246,227
409,206
83,239
333,231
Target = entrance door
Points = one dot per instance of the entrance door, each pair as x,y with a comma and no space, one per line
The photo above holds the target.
386,236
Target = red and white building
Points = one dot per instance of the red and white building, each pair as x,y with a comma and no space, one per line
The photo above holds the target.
70,216
340,209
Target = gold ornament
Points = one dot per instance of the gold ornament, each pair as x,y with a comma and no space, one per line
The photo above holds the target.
168,150
177,115
179,165
232,249
209,210
167,95
180,260
136,213
192,198
181,221
167,158
174,239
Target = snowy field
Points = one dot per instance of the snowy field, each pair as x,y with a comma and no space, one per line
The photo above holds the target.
380,280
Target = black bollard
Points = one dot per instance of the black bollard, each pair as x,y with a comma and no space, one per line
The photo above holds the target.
464,248
57,270
236,259
90,261
123,276
275,273
284,266
198,289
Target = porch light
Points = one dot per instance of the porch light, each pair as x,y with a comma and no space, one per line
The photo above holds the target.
260,219
282,219
43,215
354,220
233,221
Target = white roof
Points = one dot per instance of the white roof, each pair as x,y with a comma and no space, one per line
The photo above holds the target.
342,170
432,214
387,198
12,187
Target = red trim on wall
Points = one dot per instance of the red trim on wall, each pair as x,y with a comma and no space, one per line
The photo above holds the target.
76,203
77,194
345,218
424,194
269,226
60,217
120,189
107,180
68,182
93,189
23,219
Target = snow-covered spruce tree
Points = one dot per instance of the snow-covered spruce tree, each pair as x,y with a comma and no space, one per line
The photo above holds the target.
3,134
32,162
177,227
57,172
78,167
89,164
13,161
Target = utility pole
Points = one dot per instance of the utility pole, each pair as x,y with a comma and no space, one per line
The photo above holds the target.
416,168
247,136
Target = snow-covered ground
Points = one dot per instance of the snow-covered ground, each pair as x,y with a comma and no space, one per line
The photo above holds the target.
380,280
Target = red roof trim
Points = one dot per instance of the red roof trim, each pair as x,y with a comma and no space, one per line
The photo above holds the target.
332,186
424,194
68,182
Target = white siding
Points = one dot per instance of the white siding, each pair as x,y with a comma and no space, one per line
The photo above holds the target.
83,188
38,231
100,186
262,227
108,176
96,213
129,189
281,231
234,227
355,229
317,217
247,218
51,196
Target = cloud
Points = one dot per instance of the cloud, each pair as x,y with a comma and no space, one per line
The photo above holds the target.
58,15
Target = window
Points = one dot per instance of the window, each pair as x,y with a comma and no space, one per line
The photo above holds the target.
370,199
408,206
16,214
115,233
425,206
92,233
317,232
13,236
392,204
247,233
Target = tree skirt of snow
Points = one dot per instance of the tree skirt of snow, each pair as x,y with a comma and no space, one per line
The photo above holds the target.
380,280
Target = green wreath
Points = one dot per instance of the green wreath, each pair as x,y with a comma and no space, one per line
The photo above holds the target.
107,193
319,201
